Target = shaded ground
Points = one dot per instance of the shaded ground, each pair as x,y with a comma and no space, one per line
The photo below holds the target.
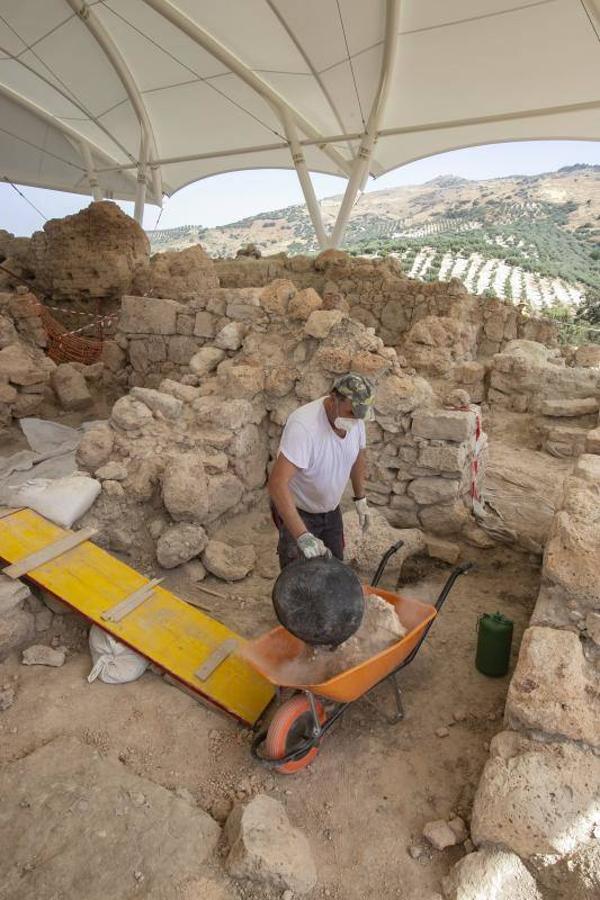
373,786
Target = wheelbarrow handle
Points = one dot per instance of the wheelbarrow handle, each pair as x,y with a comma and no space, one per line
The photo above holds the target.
454,574
384,561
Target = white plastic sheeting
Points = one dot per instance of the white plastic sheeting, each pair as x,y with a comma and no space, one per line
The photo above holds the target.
205,86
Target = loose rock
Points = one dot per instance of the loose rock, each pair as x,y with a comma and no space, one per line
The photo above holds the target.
229,563
40,655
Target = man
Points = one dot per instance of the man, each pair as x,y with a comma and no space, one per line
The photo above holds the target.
322,445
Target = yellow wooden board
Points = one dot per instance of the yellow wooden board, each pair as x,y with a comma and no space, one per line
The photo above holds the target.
165,629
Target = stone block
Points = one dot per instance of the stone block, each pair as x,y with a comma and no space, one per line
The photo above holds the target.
264,847
145,353
230,337
130,414
205,325
438,548
185,488
554,689
489,874
397,395
185,324
450,458
444,425
592,441
433,490
168,406
95,446
70,387
181,348
569,408
22,365
179,544
445,518
588,468
149,315
321,321
205,360
540,800
229,563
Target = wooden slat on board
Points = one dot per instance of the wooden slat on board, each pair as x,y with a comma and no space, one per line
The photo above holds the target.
122,609
48,553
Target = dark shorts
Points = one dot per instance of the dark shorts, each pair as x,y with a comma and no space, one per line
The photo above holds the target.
326,526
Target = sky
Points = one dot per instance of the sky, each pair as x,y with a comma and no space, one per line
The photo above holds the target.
227,198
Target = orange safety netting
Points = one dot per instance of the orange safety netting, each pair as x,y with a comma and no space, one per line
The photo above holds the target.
67,346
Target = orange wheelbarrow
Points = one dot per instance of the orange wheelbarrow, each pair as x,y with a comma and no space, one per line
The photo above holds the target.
294,735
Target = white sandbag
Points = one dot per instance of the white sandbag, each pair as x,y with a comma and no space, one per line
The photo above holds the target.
114,663
62,500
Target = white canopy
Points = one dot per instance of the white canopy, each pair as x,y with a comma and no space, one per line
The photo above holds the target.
134,99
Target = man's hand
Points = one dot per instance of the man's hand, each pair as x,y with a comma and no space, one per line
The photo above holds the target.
312,546
363,512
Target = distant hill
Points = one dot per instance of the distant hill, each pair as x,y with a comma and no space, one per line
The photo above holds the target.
529,238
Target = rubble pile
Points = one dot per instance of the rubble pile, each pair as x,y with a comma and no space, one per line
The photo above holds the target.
194,446
25,370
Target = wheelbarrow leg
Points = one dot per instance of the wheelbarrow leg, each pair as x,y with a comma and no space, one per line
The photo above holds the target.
398,714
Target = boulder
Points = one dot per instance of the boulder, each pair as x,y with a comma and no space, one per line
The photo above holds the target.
149,315
185,488
41,655
168,406
179,544
321,321
229,563
205,360
23,365
224,492
397,395
275,297
490,875
264,847
184,392
70,387
95,446
540,800
230,337
440,835
445,518
554,689
130,414
303,304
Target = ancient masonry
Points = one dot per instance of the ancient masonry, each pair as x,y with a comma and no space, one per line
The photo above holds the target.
208,360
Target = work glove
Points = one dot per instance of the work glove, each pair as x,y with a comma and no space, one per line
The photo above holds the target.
363,512
312,546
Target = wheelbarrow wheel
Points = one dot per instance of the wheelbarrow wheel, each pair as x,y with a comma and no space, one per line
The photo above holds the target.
290,727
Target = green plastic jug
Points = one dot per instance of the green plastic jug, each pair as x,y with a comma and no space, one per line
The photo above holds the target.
493,644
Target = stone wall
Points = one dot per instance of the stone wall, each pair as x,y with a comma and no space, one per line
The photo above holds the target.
236,363
539,795
378,294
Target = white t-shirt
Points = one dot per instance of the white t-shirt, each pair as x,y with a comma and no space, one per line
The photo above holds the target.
324,459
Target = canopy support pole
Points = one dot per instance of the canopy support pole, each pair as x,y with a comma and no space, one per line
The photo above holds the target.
314,210
361,165
140,194
112,53
91,171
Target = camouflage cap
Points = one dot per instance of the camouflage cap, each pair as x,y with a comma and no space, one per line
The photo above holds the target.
359,390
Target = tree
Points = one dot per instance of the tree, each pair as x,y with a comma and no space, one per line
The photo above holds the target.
589,309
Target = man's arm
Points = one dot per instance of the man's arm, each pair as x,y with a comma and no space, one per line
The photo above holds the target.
358,474
279,491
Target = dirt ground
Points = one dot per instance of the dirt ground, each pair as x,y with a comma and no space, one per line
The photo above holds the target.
364,801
